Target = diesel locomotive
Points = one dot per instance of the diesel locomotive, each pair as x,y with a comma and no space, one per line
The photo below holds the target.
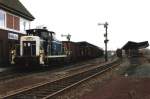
39,46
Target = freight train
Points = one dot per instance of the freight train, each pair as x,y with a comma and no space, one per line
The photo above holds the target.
40,47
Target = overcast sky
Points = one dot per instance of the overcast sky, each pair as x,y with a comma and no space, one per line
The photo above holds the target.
129,20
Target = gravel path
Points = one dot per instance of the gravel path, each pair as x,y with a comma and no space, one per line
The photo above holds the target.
122,88
131,80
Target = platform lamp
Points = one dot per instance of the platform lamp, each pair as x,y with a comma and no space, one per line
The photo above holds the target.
106,39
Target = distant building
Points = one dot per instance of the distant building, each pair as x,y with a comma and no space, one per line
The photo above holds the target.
14,20
132,48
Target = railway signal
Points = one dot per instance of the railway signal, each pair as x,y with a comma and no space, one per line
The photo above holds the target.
68,38
106,39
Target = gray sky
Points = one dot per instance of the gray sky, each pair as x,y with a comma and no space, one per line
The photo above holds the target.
128,19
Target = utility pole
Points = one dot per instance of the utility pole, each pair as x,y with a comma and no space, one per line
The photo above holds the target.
106,39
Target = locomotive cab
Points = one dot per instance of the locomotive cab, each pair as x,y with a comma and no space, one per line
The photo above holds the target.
33,47
31,51
29,46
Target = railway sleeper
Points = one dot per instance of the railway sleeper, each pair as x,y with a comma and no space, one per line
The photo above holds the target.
30,96
22,97
43,92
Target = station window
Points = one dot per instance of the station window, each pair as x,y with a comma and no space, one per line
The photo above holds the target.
13,22
2,19
24,25
16,23
10,21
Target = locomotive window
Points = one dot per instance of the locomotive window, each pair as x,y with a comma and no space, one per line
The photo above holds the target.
54,37
29,48
24,44
33,49
44,34
29,44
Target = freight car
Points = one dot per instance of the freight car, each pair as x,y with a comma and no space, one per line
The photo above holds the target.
77,51
88,50
71,49
40,47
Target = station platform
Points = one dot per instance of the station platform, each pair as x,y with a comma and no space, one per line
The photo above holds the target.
122,88
3,69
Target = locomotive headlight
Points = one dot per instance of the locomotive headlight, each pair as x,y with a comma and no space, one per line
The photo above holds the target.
12,52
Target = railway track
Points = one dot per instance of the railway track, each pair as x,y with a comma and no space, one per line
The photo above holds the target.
15,74
49,90
8,76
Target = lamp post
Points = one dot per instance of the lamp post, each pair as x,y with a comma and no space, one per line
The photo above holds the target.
106,39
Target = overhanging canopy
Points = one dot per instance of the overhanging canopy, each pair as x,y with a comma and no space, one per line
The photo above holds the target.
135,45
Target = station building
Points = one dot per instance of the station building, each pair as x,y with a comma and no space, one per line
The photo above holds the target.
14,20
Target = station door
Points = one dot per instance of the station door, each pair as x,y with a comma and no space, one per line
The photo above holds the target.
1,51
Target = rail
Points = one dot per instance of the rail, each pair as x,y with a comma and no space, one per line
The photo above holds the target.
51,89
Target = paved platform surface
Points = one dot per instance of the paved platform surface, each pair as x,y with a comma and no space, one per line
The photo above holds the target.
122,88
3,69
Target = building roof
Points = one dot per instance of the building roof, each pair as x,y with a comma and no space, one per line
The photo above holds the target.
84,43
135,45
16,7
38,31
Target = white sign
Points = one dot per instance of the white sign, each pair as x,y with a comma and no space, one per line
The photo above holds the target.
29,39
13,36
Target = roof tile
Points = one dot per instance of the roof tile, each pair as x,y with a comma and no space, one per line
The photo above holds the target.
16,7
